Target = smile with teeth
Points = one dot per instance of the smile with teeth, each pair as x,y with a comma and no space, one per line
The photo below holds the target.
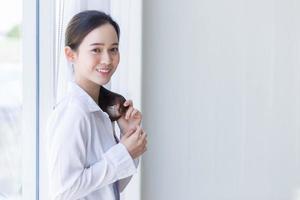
102,70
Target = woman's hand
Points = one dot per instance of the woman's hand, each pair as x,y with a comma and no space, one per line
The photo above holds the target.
131,119
135,142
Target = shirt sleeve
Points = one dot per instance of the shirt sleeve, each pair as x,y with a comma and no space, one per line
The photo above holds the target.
125,181
69,177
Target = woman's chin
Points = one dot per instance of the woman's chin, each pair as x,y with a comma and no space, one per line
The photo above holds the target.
103,81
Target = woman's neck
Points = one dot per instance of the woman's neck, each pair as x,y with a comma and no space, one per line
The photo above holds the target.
91,88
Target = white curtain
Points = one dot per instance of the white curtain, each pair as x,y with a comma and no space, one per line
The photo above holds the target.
65,10
127,79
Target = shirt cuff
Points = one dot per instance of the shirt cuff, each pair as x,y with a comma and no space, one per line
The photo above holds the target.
122,160
136,162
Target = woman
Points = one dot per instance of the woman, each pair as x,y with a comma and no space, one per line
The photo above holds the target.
85,160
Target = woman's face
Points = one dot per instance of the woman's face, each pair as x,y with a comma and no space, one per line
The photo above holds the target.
97,57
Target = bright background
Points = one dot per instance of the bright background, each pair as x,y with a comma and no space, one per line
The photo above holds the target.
217,81
11,100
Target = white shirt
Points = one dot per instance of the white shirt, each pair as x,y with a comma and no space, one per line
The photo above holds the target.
84,159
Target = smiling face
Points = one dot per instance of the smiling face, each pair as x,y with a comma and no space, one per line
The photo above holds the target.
97,57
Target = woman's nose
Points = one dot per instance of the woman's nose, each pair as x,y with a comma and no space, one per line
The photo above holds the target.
105,58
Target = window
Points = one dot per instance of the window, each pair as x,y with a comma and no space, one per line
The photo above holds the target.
11,100
28,88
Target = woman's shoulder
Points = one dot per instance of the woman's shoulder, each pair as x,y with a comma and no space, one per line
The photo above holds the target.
68,113
68,121
71,104
69,109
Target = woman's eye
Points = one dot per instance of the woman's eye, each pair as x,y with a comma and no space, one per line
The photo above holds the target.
97,50
114,50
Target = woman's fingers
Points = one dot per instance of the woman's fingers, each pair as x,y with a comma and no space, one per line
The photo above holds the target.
143,138
136,143
128,112
145,149
129,133
138,131
131,111
128,103
136,113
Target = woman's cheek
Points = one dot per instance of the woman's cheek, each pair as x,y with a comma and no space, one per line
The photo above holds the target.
117,61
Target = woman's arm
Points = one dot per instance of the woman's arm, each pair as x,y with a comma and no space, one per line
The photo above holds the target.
69,177
125,181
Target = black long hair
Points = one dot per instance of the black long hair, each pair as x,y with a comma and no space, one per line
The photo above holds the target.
83,23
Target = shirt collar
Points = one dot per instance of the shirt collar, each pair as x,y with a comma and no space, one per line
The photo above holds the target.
74,88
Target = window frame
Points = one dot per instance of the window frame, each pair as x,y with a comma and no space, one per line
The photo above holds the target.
38,55
30,111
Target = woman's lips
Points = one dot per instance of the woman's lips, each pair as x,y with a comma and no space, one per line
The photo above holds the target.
103,72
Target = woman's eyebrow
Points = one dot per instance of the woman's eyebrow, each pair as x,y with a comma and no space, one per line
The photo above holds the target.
102,44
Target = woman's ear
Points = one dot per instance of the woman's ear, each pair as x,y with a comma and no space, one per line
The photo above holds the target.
70,54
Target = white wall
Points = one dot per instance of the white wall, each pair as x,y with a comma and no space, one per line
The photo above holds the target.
221,99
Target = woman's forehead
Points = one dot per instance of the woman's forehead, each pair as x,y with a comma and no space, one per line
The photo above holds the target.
102,35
